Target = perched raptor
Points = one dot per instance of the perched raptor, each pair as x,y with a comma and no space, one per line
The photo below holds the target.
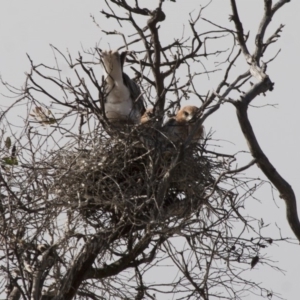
123,101
179,127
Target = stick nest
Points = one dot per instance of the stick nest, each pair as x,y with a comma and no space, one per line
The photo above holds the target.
133,177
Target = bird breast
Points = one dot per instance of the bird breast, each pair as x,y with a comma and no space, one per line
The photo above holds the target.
118,103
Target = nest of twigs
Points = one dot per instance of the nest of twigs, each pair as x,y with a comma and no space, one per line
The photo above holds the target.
133,177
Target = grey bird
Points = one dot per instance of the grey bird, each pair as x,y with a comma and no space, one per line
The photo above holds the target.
124,101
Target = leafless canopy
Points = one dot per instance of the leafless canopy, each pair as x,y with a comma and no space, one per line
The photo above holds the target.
90,210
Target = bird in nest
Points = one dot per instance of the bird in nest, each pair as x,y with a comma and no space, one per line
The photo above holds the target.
124,102
179,127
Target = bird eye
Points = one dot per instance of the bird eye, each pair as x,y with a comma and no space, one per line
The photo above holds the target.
185,113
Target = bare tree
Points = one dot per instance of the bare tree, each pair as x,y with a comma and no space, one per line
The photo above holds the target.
90,210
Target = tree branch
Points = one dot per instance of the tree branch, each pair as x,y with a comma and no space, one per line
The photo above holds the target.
121,264
240,31
285,190
77,272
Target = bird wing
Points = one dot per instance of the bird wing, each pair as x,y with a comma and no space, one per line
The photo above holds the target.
199,132
170,128
135,93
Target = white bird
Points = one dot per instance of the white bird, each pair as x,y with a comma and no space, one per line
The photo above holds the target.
123,98
182,125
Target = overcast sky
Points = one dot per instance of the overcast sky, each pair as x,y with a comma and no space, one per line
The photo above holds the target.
30,26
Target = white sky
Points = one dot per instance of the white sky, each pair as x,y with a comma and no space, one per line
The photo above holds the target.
30,26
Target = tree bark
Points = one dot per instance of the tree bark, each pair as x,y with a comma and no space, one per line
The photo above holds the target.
284,188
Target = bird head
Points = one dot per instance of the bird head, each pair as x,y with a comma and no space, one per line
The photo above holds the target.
110,59
187,114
